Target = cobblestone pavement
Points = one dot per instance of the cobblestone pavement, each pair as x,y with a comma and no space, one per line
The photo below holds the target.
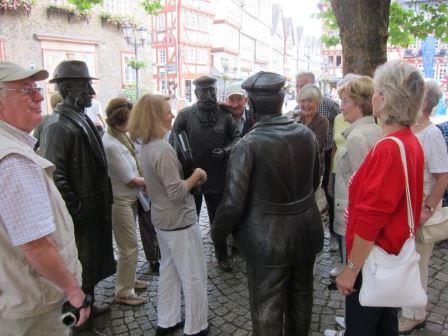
228,297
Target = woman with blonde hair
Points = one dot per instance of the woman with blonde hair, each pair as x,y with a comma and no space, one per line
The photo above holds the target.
173,213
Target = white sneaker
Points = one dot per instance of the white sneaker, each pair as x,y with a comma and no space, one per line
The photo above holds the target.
337,270
329,332
407,326
340,321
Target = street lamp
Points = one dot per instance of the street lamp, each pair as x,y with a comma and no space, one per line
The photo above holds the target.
225,69
135,37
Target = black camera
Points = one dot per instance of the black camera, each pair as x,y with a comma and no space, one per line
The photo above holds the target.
70,314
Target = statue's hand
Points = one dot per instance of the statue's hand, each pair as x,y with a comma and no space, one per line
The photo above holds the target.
218,153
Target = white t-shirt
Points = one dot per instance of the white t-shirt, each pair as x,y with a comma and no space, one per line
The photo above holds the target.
436,156
94,111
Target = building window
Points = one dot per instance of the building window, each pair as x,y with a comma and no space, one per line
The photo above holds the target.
128,74
2,49
338,60
161,22
162,56
194,21
443,71
163,86
330,60
187,19
118,6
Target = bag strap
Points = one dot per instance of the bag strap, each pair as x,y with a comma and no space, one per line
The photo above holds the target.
408,193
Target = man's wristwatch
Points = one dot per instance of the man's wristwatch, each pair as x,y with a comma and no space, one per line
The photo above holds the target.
428,207
351,266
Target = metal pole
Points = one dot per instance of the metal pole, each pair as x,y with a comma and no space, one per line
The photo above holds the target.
166,79
136,70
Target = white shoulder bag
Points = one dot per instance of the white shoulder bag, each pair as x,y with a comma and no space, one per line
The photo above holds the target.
390,280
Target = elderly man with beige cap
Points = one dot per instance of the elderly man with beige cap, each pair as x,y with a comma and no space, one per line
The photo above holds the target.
236,100
39,267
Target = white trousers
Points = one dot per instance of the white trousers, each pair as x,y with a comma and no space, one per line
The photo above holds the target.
425,251
182,266
124,213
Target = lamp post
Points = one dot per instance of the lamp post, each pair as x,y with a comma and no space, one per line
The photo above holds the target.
225,69
136,38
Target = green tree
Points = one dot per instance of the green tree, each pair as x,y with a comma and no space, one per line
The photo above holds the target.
404,24
150,6
367,26
84,5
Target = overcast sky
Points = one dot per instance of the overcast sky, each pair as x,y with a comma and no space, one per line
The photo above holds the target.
301,11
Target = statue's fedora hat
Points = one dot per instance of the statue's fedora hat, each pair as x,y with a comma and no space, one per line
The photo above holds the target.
71,70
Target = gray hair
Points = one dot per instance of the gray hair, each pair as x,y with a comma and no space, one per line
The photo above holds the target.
433,94
310,91
403,88
347,78
308,74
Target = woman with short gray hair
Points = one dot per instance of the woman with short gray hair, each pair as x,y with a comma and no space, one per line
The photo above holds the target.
377,205
309,100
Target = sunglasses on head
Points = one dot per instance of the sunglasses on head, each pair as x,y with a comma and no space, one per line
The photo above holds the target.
128,105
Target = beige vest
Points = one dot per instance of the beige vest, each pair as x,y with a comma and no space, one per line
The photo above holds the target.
23,292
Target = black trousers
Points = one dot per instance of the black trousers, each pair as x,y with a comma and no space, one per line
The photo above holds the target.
325,181
281,299
148,235
368,321
212,202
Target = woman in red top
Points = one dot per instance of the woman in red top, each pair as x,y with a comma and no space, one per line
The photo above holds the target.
377,202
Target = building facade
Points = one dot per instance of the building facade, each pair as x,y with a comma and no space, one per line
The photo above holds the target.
52,32
229,39
182,43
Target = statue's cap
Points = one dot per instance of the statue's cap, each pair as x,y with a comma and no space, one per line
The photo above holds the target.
204,82
264,83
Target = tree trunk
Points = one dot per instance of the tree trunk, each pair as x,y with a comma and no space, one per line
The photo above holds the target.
363,26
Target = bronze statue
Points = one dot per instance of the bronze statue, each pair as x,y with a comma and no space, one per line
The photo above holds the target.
269,207
211,133
72,143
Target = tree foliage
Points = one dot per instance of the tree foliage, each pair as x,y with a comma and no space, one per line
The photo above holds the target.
404,24
84,5
151,7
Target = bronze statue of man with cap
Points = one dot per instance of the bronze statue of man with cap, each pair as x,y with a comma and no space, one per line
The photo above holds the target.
211,133
72,143
269,207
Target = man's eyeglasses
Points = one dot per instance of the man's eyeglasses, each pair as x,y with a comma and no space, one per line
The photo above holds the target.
27,90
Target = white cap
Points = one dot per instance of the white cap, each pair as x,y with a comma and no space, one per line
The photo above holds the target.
235,89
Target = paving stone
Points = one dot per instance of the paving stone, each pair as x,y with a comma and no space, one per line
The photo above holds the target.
229,298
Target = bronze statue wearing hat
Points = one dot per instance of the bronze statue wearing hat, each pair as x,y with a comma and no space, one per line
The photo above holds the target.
211,133
270,208
72,143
